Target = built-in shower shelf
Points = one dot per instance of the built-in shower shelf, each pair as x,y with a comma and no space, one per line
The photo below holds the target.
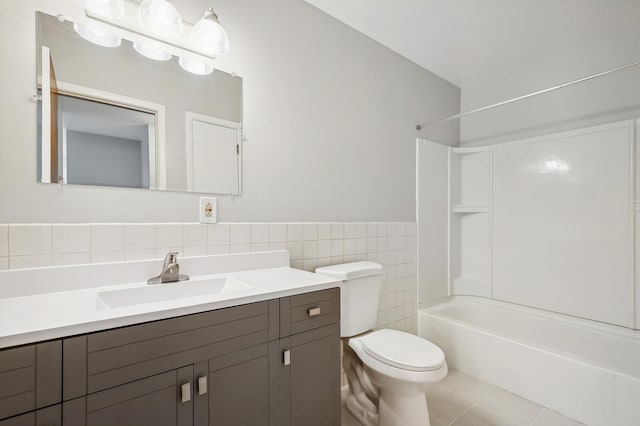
470,150
466,208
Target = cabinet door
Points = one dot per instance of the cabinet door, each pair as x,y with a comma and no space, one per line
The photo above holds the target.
50,416
310,378
30,378
238,387
162,400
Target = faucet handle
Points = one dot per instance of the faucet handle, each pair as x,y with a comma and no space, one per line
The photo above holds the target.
171,257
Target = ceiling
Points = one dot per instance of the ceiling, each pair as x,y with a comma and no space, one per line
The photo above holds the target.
470,41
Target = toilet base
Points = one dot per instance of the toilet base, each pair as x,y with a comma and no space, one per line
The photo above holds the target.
395,410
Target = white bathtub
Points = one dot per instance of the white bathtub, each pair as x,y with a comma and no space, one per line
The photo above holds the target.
583,369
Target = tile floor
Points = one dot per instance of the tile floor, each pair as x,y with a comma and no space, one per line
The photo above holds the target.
461,400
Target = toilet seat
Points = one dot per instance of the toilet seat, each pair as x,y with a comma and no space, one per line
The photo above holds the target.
403,350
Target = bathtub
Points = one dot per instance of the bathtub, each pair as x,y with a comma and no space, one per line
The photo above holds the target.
583,369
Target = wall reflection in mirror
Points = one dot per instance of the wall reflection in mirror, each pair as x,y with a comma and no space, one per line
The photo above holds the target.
111,117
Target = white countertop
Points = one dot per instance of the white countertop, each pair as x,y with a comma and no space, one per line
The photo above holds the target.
38,316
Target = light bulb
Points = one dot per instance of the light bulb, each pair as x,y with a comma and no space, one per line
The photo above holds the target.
96,36
160,18
208,35
195,67
151,52
106,8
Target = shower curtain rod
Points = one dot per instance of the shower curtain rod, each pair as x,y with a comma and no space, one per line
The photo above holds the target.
529,95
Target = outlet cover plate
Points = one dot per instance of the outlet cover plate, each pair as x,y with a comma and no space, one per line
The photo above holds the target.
208,210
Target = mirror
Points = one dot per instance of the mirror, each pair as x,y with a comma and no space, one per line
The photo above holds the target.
111,117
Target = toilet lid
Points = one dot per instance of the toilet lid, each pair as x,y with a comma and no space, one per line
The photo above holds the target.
403,350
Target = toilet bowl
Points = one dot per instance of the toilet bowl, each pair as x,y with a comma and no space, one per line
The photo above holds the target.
402,367
388,371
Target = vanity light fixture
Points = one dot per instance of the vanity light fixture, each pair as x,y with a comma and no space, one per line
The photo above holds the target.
151,52
109,9
161,18
97,36
209,36
157,31
106,8
195,67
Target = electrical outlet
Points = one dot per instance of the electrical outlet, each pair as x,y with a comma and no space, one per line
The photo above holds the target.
208,210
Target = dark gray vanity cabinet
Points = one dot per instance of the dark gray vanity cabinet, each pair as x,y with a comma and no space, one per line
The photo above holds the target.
310,371
170,372
269,363
30,384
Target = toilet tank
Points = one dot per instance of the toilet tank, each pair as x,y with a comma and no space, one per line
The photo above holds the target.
359,295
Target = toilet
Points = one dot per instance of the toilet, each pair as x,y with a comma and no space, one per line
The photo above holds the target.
388,371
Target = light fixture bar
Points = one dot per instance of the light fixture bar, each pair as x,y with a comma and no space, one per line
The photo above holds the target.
133,31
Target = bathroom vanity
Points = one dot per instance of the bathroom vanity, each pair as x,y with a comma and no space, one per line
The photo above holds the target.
273,361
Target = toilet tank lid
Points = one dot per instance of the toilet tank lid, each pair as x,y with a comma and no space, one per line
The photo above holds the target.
350,271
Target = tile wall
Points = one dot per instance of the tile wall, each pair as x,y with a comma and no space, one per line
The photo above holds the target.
392,244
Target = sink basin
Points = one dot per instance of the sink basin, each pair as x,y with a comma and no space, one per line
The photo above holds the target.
167,292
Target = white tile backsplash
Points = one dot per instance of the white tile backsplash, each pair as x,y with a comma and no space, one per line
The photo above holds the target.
29,240
337,248
310,231
259,233
140,254
239,248
30,261
310,245
107,237
195,235
324,231
170,235
4,240
111,256
240,233
278,233
260,247
310,250
294,232
337,231
140,236
71,239
324,248
61,259
218,234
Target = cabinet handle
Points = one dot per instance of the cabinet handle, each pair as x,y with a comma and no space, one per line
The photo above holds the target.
185,392
202,385
287,357
314,311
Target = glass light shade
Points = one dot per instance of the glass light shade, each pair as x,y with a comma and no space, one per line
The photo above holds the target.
96,36
151,52
208,35
160,17
195,67
106,8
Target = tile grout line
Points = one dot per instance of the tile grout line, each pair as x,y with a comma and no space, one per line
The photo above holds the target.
463,413
538,416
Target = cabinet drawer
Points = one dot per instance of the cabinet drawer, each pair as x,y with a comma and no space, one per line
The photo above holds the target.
30,377
110,358
308,311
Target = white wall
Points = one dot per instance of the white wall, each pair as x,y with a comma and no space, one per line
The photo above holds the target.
432,218
329,117
602,100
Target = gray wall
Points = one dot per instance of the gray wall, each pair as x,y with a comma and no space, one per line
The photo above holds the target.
606,99
329,117
103,160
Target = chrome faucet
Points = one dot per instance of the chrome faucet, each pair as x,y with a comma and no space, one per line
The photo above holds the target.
170,271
